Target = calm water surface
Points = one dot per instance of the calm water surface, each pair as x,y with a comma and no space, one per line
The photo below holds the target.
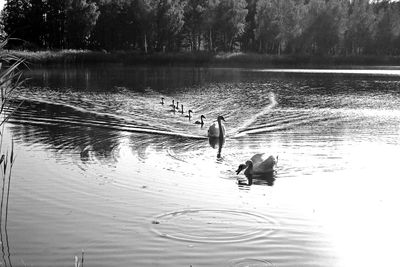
104,167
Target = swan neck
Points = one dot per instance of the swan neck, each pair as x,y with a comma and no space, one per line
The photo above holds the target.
221,133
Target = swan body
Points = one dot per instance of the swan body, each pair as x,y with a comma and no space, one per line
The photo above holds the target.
201,120
258,165
217,129
189,116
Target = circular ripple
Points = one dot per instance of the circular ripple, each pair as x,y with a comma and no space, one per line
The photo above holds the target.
247,262
212,225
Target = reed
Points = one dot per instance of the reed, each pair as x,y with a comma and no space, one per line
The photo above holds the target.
10,79
65,56
79,263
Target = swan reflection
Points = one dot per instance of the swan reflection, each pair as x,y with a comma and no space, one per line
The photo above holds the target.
217,142
264,179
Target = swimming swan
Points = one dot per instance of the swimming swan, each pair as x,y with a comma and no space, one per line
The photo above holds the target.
177,105
182,109
201,120
189,116
162,101
258,165
217,129
173,104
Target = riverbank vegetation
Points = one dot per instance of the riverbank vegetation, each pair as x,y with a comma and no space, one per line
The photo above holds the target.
223,59
291,31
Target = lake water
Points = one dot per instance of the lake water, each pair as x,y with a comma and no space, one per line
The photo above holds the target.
103,167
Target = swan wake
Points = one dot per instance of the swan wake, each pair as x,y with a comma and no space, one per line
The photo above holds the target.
250,121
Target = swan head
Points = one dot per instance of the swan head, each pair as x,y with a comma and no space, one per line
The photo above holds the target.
202,116
241,167
190,111
220,118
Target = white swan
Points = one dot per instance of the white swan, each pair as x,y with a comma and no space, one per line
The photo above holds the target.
258,166
201,120
217,129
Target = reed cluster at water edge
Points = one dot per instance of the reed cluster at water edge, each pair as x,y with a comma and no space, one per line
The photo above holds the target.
9,81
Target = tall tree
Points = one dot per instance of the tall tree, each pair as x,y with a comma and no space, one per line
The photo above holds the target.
81,17
387,27
55,21
230,22
248,37
360,27
15,21
194,20
210,18
278,22
167,22
324,26
116,26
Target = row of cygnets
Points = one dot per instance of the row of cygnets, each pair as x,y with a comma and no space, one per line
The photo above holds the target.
217,129
258,166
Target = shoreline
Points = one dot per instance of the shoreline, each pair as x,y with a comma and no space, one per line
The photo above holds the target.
205,59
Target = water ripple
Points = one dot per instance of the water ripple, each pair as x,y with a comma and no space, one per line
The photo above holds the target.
213,225
249,262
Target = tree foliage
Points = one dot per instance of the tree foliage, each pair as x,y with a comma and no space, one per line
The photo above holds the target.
81,17
311,27
51,23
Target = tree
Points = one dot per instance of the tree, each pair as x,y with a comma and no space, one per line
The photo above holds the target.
210,18
37,23
55,21
116,26
167,21
324,26
16,24
278,23
194,20
248,37
395,28
387,28
265,31
360,26
81,17
230,22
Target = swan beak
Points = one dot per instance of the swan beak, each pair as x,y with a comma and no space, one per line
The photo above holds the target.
240,168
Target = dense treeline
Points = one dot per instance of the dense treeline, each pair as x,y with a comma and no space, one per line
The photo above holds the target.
306,27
